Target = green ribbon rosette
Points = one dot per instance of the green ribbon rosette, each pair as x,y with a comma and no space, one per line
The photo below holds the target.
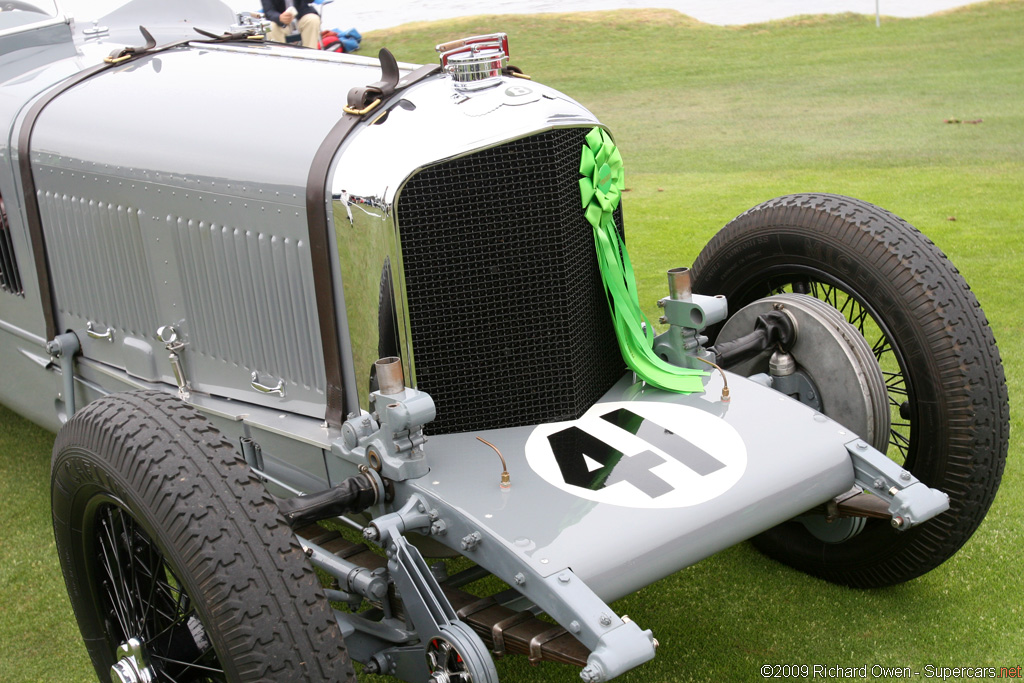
601,189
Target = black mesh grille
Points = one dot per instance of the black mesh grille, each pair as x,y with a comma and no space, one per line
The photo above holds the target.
10,278
510,325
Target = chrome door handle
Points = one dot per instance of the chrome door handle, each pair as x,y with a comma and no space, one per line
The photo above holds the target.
264,389
107,334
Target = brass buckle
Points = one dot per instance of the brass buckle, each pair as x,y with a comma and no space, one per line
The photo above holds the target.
349,109
117,60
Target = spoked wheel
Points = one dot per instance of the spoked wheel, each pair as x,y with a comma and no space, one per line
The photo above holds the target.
178,564
457,655
944,382
145,603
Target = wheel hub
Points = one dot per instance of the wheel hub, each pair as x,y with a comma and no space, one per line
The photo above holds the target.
835,356
132,665
446,664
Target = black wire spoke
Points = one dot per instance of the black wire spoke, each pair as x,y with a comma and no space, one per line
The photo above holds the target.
181,605
183,610
154,556
118,606
166,676
130,535
170,611
894,380
163,592
161,598
178,621
207,655
146,598
897,387
881,347
899,441
108,568
189,665
847,306
828,295
119,540
166,612
820,290
128,571
172,585
858,317
168,592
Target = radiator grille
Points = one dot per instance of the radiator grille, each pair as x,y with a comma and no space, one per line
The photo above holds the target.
509,321
10,278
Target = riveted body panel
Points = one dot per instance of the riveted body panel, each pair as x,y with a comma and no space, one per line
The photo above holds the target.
168,216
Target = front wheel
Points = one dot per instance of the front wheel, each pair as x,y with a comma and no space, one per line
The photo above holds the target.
177,561
943,375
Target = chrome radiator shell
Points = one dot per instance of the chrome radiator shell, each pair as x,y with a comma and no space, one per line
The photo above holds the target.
462,143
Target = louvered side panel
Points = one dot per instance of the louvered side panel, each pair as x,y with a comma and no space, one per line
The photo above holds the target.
10,276
98,264
249,301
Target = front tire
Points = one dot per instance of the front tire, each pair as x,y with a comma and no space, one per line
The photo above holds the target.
944,377
176,559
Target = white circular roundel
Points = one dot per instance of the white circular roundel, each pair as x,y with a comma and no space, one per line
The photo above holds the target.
640,454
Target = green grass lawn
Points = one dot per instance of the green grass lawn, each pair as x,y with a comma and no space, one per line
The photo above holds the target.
711,121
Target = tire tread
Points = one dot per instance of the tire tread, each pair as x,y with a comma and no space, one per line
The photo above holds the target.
272,617
953,329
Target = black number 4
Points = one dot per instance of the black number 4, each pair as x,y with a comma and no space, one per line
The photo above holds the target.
590,463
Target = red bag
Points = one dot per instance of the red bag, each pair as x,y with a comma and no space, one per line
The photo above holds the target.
329,41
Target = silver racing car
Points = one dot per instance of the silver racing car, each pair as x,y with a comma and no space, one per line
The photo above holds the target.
284,373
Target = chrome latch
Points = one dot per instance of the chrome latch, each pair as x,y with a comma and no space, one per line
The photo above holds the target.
265,388
93,330
169,336
96,31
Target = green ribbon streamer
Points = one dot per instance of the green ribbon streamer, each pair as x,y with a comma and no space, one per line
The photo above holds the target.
601,189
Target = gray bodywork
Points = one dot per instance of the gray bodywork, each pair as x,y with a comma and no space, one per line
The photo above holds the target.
173,197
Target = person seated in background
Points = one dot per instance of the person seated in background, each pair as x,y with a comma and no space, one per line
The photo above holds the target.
282,13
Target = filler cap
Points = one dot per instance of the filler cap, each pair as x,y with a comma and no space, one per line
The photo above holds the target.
475,63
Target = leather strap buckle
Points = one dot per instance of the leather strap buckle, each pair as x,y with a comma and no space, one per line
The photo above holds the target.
126,53
349,109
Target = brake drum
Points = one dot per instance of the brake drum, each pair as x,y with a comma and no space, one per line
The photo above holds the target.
833,353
